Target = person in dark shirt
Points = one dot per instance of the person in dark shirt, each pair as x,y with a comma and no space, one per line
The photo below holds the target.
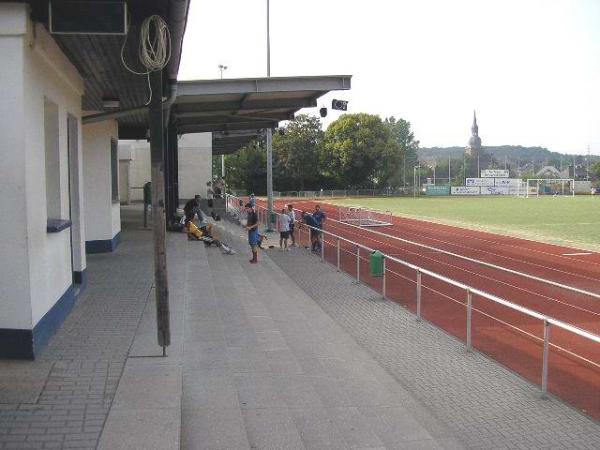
191,208
309,220
253,234
318,217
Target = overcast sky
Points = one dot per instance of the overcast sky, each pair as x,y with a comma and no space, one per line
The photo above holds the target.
531,68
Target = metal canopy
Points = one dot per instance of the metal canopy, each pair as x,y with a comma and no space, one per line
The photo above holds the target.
226,142
246,104
98,57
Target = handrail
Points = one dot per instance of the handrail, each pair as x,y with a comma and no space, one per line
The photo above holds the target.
487,264
559,323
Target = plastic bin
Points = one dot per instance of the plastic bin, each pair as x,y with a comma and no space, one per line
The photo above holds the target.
376,263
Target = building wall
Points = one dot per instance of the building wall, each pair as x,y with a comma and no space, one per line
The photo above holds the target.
36,272
15,296
195,164
137,153
102,214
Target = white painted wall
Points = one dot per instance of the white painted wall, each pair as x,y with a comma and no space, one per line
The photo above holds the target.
102,215
138,155
195,164
36,266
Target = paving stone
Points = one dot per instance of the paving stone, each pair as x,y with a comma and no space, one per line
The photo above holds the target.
461,400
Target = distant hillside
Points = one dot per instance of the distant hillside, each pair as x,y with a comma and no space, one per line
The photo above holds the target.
514,153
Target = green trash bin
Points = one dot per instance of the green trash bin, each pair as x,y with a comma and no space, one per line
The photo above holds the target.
376,263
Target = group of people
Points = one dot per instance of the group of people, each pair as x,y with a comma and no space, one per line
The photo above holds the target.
286,226
202,230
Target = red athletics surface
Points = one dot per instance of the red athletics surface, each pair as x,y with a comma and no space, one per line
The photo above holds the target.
510,337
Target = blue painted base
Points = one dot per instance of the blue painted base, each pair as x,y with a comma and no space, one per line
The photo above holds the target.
26,344
103,246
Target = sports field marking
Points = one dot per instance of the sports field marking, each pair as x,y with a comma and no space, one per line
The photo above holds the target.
477,261
577,254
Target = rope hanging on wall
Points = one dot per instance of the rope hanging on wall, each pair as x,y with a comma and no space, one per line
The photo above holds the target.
154,50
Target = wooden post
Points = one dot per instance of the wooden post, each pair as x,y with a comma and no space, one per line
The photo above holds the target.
157,151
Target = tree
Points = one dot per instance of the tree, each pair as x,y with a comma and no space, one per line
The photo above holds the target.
353,151
247,168
402,135
296,154
595,171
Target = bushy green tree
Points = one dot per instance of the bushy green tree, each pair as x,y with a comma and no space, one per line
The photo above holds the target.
406,158
247,168
354,147
296,151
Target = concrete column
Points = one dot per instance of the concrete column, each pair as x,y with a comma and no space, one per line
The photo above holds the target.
102,208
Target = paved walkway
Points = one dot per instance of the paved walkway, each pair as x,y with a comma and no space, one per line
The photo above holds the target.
286,354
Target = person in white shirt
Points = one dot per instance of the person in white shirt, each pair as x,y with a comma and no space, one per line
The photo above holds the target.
284,229
292,214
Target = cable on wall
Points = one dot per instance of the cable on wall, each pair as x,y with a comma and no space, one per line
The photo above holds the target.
154,50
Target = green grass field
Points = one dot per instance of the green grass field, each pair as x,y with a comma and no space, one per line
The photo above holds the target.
574,222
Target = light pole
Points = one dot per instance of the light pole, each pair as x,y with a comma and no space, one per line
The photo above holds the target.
416,183
222,68
269,134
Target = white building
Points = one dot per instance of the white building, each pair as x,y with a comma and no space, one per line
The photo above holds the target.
60,193
194,167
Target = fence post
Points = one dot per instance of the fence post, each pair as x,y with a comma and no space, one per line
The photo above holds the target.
469,312
322,248
338,254
383,283
357,264
545,358
418,295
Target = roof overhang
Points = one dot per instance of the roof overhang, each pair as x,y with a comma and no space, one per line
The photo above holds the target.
249,103
225,142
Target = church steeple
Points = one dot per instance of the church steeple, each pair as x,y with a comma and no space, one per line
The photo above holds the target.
474,146
474,128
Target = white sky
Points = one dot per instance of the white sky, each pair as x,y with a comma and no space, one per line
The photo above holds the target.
531,68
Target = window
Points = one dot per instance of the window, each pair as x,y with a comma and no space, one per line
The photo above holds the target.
52,153
114,169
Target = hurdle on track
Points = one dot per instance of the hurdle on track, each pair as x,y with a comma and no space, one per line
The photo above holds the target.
364,217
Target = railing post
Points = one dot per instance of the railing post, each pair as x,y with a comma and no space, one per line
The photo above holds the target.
357,264
338,254
545,358
322,248
469,312
418,295
383,283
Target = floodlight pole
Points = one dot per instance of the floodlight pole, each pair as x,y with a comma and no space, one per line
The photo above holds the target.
269,133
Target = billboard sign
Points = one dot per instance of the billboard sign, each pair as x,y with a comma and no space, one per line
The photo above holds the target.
465,190
437,190
510,182
492,190
480,182
494,173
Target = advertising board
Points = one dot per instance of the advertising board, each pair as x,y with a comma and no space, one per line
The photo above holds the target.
511,182
494,173
492,190
464,190
479,182
437,190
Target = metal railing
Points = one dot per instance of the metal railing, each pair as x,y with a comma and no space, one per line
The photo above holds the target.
469,291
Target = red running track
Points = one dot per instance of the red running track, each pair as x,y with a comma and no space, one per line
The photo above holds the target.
512,338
